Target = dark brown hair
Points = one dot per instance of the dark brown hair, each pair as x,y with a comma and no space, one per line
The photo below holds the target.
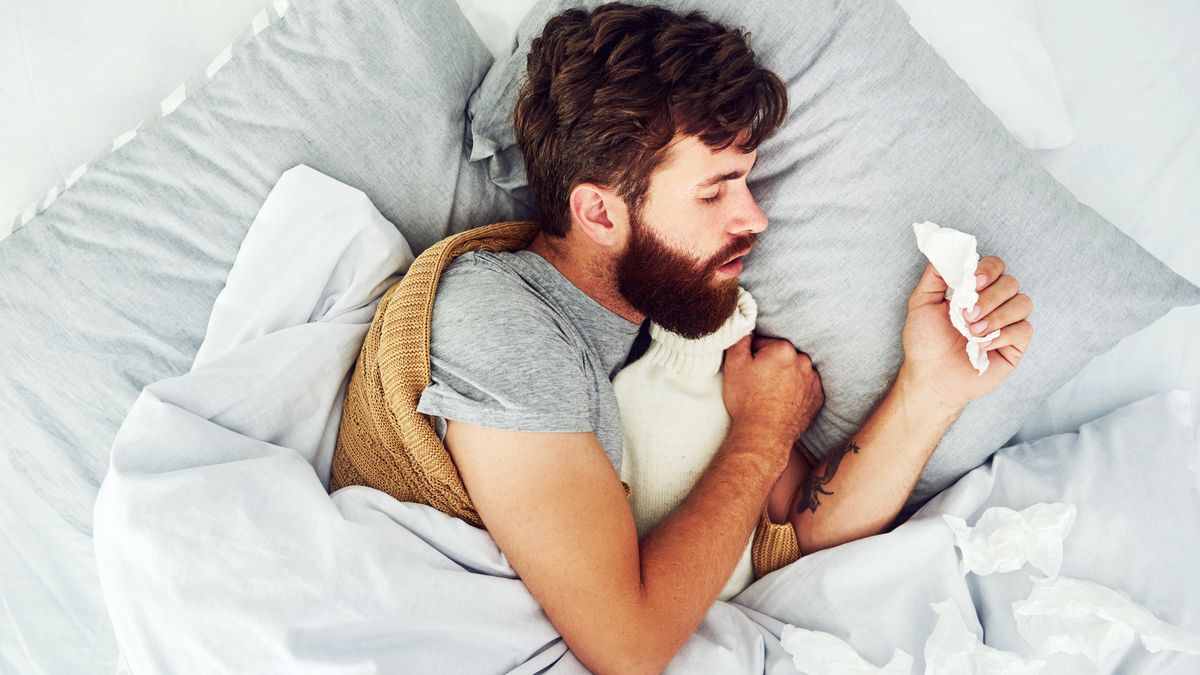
606,91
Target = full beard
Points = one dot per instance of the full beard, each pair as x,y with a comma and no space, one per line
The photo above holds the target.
672,289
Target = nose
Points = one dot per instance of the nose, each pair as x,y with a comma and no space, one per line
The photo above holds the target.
750,218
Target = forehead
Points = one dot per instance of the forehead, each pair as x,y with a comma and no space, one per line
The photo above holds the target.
689,159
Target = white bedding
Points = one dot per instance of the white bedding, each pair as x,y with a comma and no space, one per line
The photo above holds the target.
1128,74
1135,158
219,550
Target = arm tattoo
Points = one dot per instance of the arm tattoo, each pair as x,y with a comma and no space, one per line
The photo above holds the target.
814,487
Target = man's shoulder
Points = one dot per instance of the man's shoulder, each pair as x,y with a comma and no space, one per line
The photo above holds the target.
500,356
485,296
483,269
488,282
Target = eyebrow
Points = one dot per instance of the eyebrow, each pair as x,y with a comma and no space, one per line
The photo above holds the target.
732,175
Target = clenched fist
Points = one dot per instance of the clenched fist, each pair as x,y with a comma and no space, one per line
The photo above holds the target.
772,387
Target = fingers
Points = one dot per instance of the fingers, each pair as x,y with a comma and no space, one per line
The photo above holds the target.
997,293
783,346
999,305
758,342
990,268
1018,335
1012,353
815,389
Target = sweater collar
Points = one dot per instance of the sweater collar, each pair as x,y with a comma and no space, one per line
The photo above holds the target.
702,356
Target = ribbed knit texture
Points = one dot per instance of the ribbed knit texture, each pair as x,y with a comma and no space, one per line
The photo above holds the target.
701,358
384,443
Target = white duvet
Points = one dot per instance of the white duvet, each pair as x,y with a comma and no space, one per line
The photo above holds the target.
219,550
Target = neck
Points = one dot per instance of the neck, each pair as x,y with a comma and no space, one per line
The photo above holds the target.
585,266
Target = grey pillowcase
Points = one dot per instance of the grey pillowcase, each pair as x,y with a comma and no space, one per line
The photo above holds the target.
111,287
880,134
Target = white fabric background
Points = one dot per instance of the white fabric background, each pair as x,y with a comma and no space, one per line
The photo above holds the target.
75,74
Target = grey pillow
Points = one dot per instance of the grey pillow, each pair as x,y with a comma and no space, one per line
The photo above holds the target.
110,288
882,134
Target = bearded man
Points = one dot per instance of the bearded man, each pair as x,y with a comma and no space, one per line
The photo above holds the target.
638,128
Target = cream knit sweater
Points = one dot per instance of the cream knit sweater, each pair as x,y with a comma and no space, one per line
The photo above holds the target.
674,420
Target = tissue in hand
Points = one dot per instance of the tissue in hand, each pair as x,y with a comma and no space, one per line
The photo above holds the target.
1003,539
954,257
1081,617
817,653
952,649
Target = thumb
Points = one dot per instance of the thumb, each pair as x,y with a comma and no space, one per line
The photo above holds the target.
931,288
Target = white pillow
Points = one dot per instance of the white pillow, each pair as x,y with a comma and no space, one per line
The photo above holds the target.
995,47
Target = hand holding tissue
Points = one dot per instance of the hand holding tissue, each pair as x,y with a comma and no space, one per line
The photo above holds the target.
953,256
962,303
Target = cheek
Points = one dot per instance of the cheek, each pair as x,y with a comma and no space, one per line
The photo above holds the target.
711,235
701,239
695,230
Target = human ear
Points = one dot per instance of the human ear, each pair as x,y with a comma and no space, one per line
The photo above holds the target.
596,210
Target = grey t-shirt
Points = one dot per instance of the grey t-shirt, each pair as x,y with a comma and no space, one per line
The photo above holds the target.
515,345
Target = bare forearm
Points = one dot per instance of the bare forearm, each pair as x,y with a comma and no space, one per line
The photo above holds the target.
860,488
689,556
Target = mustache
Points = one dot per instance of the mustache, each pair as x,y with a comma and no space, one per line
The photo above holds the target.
741,245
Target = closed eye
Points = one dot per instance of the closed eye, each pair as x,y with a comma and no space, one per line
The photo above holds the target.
712,199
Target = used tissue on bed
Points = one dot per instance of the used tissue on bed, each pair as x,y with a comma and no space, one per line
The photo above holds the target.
952,649
1004,540
954,257
1061,615
1080,617
817,653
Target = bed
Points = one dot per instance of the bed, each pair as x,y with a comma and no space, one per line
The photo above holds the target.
1135,158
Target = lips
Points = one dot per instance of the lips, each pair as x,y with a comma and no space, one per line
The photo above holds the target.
733,267
739,255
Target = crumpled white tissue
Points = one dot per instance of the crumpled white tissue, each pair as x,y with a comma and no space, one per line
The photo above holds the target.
1003,540
952,649
817,653
954,257
1082,617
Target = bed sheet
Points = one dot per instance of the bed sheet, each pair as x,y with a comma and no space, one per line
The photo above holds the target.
496,21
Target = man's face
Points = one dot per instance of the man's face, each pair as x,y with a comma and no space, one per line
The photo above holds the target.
698,215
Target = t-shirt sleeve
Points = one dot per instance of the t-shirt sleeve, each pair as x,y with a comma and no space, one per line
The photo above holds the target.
500,358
